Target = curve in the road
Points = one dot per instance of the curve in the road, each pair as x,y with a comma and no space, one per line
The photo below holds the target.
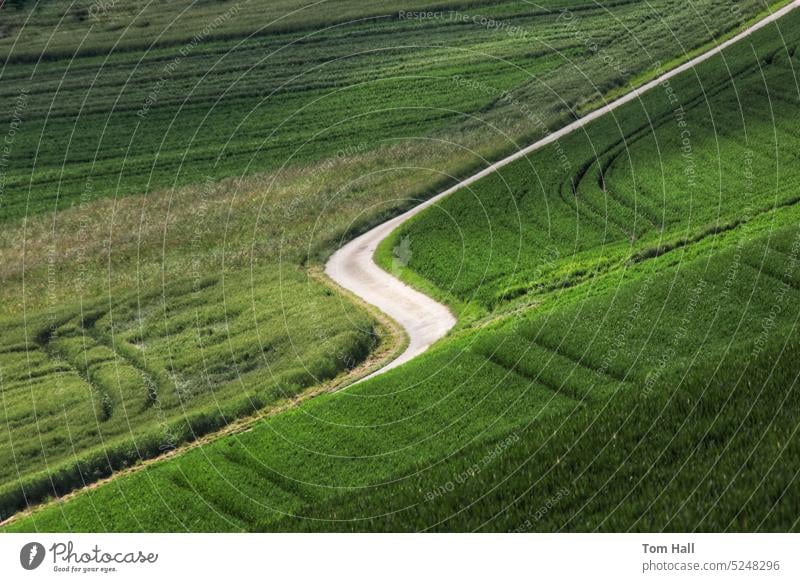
424,320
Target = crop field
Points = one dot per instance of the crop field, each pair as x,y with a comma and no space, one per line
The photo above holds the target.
168,176
131,97
87,394
630,364
699,156
512,416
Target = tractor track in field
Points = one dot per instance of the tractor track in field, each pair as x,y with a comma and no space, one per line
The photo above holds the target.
424,320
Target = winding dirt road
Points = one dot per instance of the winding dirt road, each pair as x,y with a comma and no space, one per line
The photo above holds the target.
424,320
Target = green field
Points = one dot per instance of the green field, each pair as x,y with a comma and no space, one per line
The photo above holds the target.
136,97
697,157
626,360
486,429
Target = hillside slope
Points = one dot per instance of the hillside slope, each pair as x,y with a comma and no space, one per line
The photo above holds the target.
643,381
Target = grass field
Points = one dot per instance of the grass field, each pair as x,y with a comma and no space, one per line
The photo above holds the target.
697,157
98,391
629,362
137,97
495,424
168,175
